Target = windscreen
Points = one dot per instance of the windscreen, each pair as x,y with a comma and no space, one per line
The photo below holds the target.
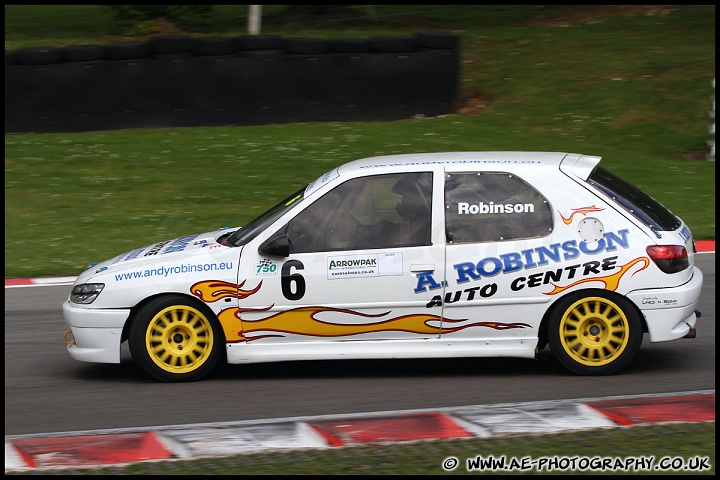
254,227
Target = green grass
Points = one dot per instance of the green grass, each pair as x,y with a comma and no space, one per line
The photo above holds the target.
630,85
684,443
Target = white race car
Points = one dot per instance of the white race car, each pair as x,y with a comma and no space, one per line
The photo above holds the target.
466,254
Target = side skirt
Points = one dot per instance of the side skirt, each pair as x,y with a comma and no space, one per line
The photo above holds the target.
380,349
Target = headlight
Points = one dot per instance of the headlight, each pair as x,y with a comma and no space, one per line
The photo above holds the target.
86,293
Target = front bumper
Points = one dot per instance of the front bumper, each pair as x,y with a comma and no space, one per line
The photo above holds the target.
96,333
670,313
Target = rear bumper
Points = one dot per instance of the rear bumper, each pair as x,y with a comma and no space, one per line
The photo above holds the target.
670,313
96,333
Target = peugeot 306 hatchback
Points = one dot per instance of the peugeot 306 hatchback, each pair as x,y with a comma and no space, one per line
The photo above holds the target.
467,254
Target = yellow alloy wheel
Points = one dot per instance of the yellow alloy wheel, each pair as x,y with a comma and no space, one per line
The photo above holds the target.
594,331
179,339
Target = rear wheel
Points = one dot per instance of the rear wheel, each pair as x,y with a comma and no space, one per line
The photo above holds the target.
594,334
175,340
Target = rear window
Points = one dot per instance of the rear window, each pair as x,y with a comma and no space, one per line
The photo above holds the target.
639,204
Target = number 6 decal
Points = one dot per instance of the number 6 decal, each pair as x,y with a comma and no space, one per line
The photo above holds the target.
290,291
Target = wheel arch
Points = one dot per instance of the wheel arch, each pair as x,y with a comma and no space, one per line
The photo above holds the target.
552,309
184,296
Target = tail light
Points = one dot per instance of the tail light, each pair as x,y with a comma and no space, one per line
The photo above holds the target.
669,258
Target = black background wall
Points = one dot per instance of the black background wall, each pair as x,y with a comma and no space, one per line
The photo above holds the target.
178,81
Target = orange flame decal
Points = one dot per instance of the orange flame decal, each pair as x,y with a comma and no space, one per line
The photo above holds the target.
495,325
214,290
611,282
232,324
305,321
582,211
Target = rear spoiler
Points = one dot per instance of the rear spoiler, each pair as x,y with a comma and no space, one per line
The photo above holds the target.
577,165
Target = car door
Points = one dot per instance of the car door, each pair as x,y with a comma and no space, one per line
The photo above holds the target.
354,267
494,223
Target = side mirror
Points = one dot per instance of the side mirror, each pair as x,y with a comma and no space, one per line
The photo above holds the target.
276,246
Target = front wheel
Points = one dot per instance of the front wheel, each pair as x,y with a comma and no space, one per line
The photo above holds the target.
594,333
173,339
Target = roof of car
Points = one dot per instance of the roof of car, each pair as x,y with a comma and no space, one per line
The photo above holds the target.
478,160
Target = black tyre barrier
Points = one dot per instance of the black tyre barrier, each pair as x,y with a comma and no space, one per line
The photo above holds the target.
126,50
349,45
308,46
438,39
37,56
171,46
392,44
82,53
261,53
209,46
260,42
251,86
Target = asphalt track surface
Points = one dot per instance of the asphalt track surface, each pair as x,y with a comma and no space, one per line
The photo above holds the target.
46,391
60,413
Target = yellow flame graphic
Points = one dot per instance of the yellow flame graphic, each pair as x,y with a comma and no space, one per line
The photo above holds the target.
611,282
232,323
304,321
581,210
495,325
214,290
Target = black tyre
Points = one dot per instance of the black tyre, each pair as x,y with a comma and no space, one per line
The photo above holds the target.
392,44
214,46
261,53
260,42
82,53
38,56
171,46
174,339
307,46
349,45
126,50
594,332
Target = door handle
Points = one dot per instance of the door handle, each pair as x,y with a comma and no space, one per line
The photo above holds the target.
422,268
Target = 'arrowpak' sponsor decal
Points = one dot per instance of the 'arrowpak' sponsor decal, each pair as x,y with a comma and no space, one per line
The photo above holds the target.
371,265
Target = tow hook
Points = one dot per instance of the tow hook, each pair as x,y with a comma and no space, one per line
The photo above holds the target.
70,341
692,332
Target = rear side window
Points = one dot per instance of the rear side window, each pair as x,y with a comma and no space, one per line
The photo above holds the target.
493,207
639,204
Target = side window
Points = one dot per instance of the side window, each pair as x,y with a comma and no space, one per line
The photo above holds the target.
493,207
378,211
